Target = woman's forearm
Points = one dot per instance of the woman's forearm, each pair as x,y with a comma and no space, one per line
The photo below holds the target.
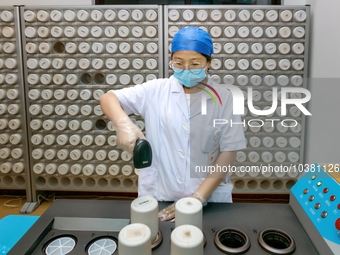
111,107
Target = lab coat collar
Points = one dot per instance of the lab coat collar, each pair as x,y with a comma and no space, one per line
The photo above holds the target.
177,89
195,106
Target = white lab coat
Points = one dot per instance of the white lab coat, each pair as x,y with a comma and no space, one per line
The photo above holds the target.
181,138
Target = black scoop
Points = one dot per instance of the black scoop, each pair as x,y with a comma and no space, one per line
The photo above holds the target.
142,154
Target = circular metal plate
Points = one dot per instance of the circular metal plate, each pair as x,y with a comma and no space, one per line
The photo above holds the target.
158,241
276,241
232,241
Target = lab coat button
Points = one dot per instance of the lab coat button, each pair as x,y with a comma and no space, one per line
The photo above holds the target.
186,126
181,180
182,153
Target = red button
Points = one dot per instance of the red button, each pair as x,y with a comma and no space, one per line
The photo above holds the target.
325,190
337,223
339,206
332,198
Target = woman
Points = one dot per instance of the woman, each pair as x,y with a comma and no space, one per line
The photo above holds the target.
184,139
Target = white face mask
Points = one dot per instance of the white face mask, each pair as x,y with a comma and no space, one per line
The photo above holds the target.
189,79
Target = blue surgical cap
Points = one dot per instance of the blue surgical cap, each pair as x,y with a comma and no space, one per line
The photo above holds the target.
193,38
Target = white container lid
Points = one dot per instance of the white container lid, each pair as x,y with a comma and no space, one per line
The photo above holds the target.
144,204
135,239
188,205
187,240
189,212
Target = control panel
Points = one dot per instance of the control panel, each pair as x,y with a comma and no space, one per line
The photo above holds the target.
317,196
261,50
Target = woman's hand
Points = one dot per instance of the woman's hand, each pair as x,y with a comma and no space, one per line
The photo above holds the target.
127,134
168,213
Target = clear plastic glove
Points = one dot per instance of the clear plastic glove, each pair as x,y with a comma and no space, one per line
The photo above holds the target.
168,213
127,134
